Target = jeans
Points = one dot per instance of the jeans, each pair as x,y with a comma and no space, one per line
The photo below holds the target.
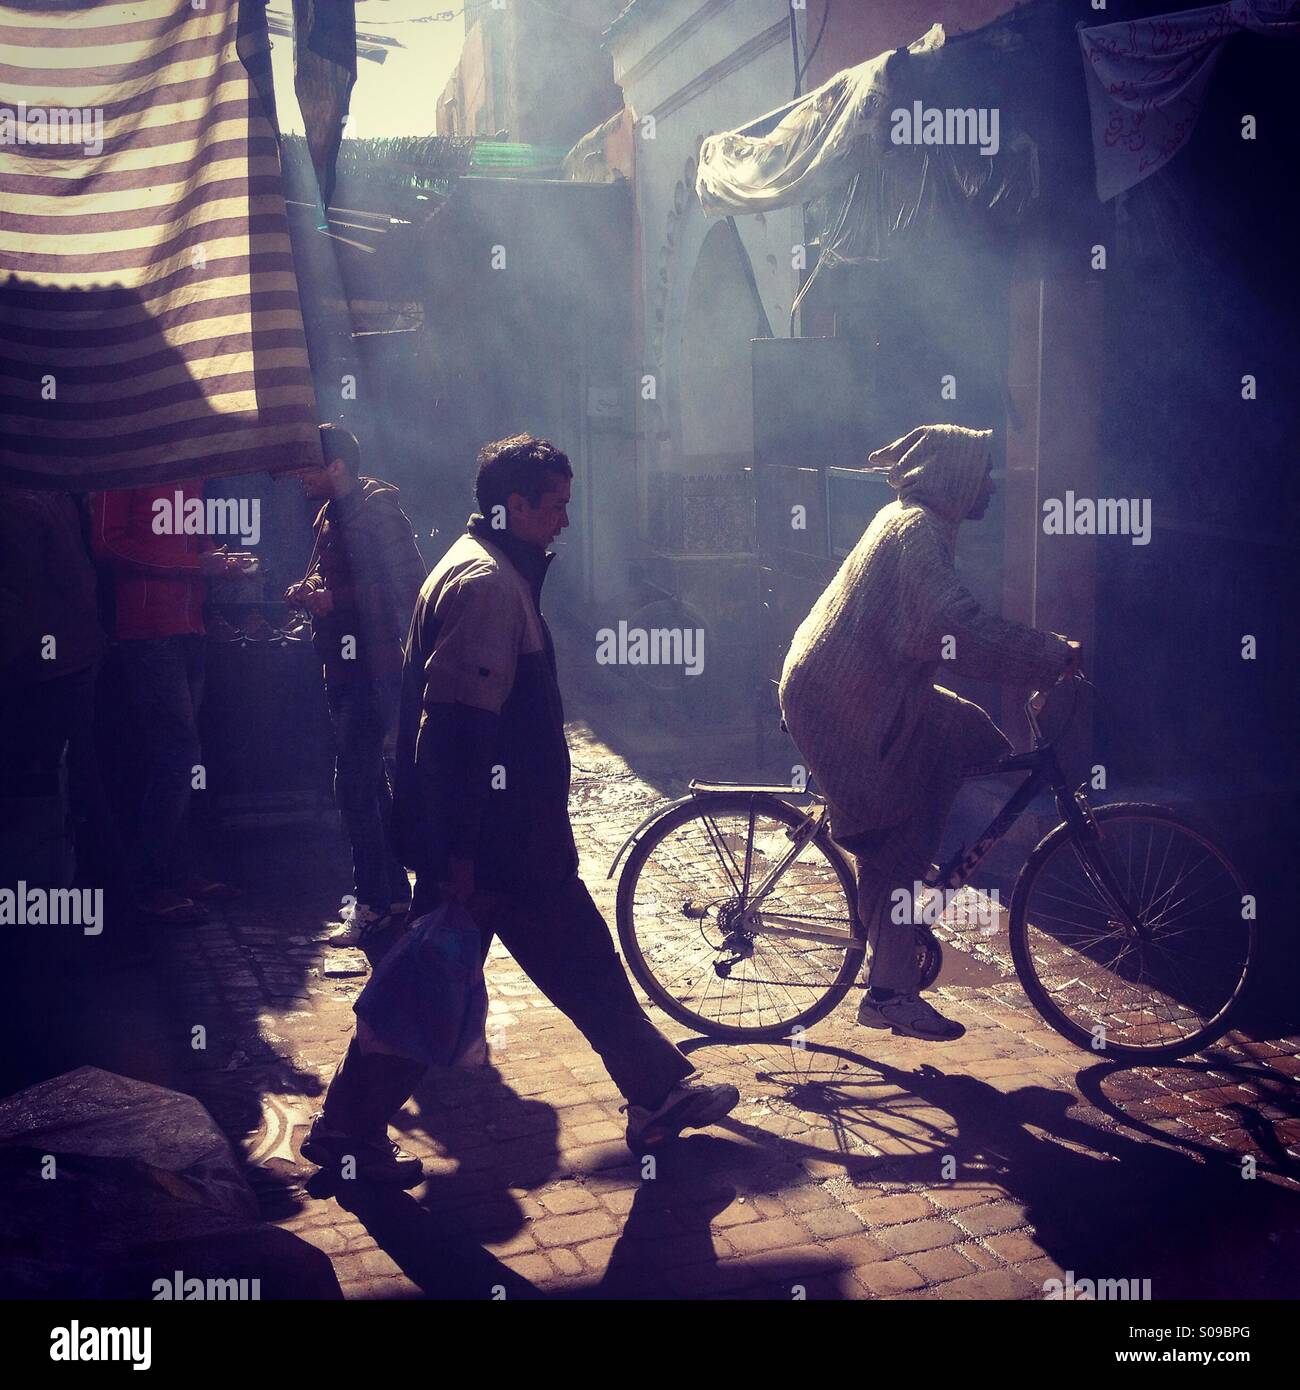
364,715
165,679
561,942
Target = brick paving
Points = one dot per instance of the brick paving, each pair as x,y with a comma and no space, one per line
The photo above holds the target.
860,1165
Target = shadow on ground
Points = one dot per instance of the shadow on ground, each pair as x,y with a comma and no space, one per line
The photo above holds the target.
1103,1204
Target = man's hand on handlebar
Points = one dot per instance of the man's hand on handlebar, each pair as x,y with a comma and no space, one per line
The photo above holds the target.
1037,701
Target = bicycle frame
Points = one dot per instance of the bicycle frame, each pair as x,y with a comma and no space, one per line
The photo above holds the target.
774,923
1045,773
1044,770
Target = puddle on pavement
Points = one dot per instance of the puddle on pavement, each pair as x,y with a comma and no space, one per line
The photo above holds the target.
965,970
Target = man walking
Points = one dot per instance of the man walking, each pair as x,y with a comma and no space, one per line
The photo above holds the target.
360,587
885,743
482,816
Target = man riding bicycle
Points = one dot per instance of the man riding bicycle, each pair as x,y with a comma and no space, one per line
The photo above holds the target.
885,743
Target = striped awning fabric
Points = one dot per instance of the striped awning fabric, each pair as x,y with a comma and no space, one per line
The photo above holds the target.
150,327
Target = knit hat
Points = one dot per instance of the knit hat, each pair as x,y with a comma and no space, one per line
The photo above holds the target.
940,466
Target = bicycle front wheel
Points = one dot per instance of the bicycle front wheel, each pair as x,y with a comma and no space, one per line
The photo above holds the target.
704,952
1163,991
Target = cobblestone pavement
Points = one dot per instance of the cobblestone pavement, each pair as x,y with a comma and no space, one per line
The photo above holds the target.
860,1166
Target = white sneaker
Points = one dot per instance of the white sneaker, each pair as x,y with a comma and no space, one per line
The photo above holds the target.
686,1106
910,1016
356,923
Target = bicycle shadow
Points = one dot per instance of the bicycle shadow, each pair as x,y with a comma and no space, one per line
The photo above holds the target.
1278,1092
1102,1204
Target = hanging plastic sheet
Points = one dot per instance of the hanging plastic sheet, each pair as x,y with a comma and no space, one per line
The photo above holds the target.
837,150
807,147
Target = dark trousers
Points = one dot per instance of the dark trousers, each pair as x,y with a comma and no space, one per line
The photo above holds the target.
37,722
561,942
164,676
364,715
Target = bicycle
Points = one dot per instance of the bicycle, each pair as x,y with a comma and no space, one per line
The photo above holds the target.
1128,926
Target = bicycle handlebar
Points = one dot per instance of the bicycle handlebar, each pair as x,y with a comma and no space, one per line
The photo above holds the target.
1037,701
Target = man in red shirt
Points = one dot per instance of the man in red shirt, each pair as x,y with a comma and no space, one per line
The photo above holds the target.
160,584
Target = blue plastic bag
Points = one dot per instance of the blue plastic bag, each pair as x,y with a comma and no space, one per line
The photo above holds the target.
426,998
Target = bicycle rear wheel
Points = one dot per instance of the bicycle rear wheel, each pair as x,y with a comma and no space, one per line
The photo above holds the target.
682,904
1165,993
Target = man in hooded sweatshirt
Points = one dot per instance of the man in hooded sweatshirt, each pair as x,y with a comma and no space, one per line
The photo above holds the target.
884,742
360,589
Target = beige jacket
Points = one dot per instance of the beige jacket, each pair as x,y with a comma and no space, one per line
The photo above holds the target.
857,691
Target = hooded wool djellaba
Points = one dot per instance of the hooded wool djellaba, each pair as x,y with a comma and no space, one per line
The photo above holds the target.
857,691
